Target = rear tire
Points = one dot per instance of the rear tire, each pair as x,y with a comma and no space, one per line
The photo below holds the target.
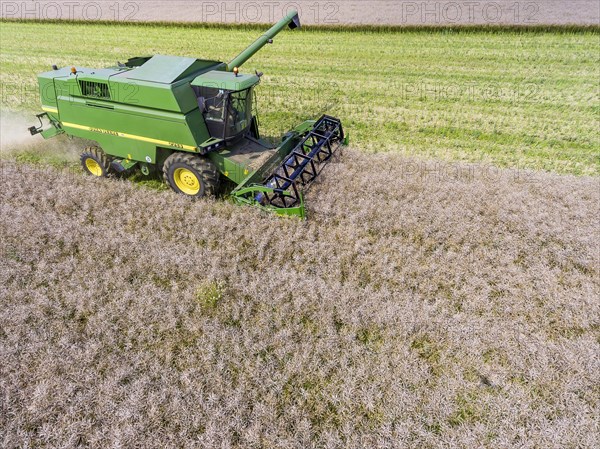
95,162
191,175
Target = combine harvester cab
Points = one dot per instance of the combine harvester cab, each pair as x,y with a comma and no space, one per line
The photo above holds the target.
193,120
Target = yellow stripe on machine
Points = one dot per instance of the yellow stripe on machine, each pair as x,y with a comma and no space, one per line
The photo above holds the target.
129,136
49,109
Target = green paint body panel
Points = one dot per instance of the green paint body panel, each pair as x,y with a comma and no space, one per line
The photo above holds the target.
150,107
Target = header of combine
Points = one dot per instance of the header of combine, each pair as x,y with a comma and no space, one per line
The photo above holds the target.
190,118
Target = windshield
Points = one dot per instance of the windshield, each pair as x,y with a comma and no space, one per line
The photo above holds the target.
227,114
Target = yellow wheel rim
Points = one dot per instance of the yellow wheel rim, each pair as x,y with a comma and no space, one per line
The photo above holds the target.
93,167
186,181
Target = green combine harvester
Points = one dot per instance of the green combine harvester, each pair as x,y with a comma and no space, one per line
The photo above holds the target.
191,118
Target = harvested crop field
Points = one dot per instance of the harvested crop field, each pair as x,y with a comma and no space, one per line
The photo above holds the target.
423,305
338,12
512,99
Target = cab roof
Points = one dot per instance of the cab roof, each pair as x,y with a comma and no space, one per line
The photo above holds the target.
225,80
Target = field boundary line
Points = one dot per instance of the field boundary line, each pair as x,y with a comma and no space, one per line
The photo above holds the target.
454,28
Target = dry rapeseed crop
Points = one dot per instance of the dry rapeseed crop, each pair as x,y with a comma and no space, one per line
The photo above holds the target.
422,305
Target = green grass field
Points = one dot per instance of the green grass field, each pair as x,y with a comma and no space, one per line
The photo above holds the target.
526,100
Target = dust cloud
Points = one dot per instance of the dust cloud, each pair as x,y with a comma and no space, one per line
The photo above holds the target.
14,132
16,139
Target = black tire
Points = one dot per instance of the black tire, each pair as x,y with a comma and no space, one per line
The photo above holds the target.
95,162
176,172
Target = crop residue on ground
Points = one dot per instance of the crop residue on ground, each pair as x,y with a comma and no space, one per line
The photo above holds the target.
512,99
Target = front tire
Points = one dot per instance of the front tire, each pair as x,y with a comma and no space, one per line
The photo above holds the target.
191,175
95,162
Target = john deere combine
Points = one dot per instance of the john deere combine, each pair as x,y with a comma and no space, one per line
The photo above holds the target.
191,118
